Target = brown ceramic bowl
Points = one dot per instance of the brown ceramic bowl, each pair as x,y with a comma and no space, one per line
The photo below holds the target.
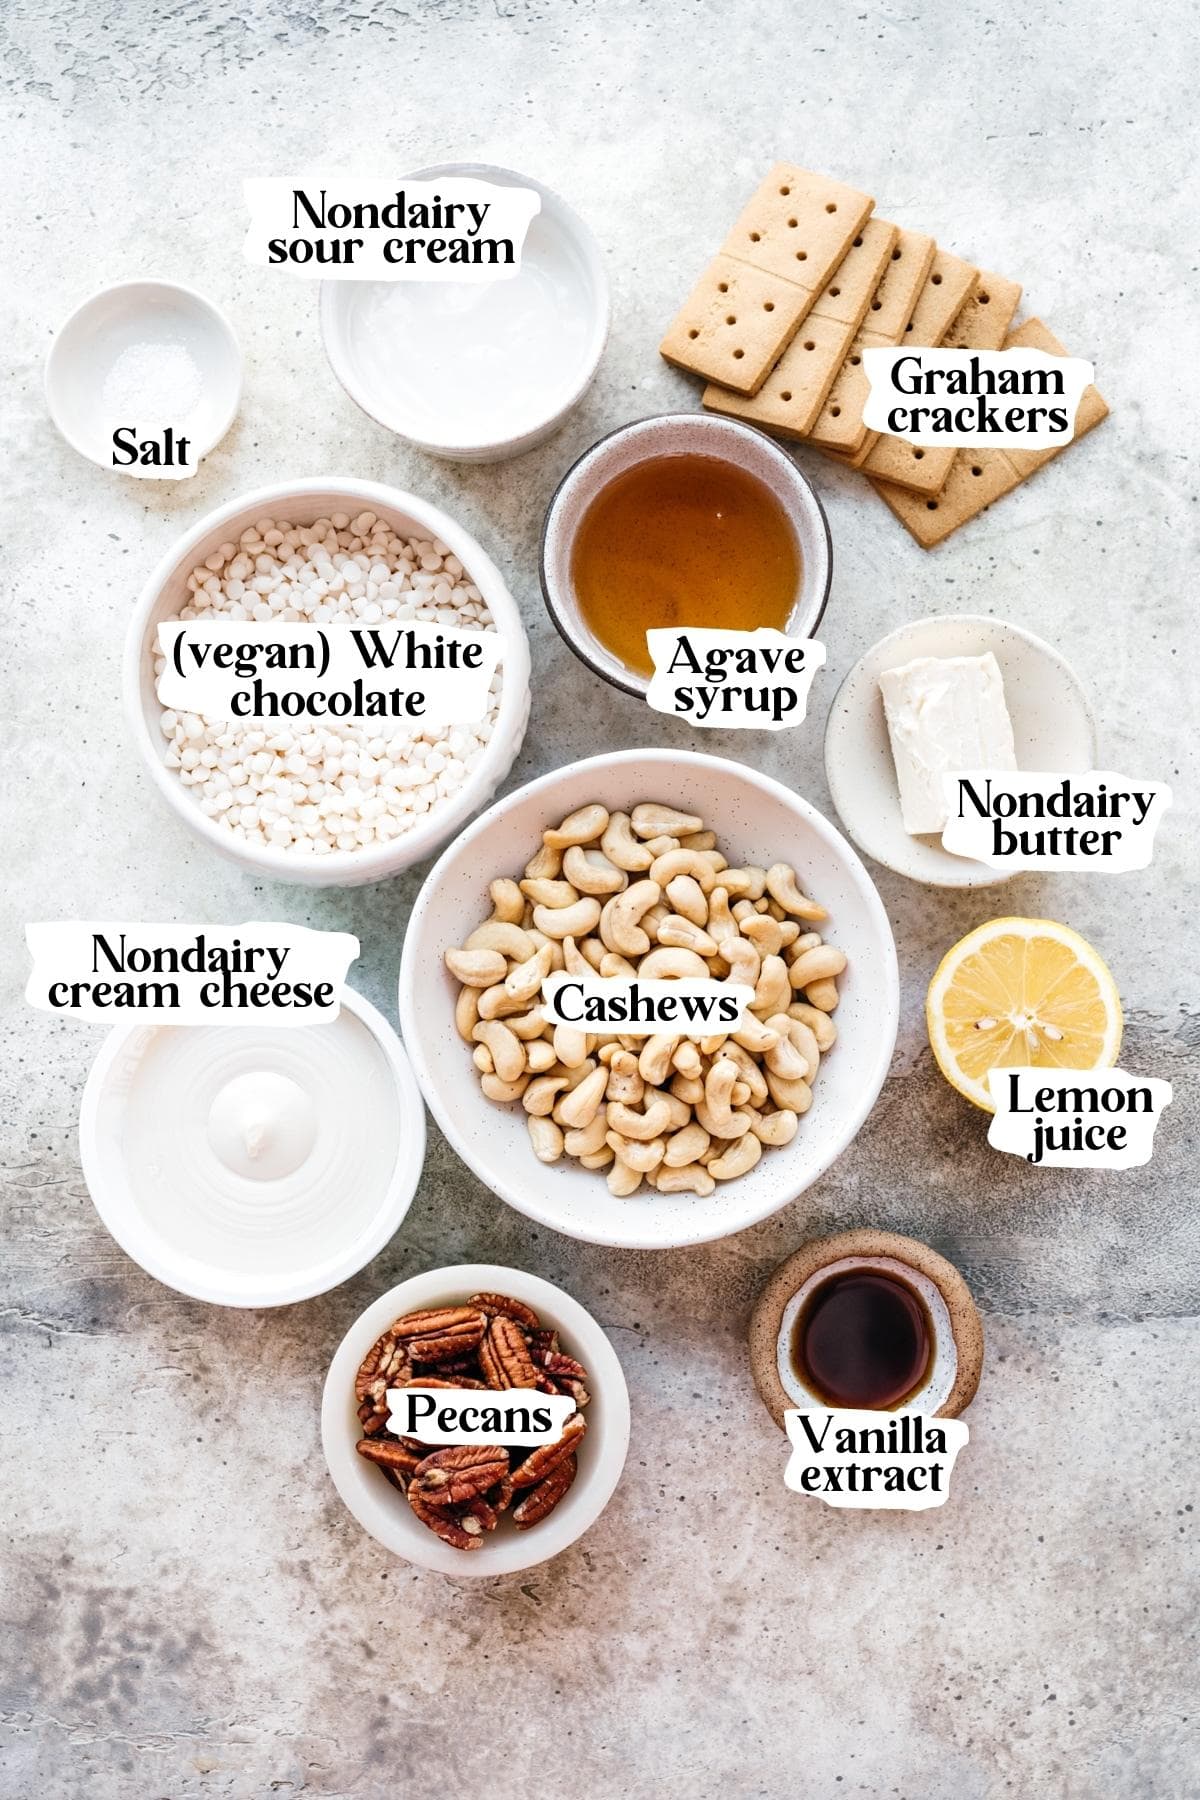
957,1327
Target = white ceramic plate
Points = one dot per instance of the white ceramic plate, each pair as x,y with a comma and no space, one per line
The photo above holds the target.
756,820
385,1513
1052,720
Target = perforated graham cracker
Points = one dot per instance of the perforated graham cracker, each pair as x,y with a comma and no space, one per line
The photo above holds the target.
792,233
947,288
792,394
839,425
977,478
982,324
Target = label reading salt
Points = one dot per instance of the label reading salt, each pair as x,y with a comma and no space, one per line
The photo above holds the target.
465,1416
1076,1118
695,1006
262,670
857,1458
753,680
975,399
341,227
261,973
1015,819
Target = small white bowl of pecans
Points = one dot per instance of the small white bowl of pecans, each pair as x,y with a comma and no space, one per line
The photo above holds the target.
479,1509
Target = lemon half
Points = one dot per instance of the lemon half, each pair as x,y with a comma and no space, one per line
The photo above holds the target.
1020,993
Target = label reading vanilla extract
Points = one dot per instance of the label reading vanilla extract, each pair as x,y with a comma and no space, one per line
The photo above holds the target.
260,973
1018,819
749,680
858,1459
1076,1118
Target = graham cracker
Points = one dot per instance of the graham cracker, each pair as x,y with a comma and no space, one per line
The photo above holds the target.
982,324
839,425
947,289
979,477
791,234
792,394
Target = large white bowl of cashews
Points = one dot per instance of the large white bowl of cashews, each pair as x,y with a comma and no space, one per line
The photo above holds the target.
552,1138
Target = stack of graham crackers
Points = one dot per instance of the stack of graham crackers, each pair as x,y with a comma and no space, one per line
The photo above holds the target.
806,280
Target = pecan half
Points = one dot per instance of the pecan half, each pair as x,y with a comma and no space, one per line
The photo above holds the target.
385,1365
543,1498
539,1463
481,1508
389,1453
504,1355
440,1331
540,1342
444,1524
499,1498
456,1474
493,1304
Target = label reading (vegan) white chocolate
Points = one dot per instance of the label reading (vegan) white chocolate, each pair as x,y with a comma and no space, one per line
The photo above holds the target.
858,1458
1076,1118
1022,820
975,399
261,670
253,974
755,680
694,1006
465,1416
341,227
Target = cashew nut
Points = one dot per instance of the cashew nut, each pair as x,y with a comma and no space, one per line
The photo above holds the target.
685,934
495,1089
738,1160
652,820
570,1045
702,865
549,893
523,982
583,1102
642,1157
694,1178
619,927
477,968
625,1081
785,891
686,1146
546,1138
686,1058
671,965
545,865
466,1013
586,1139
742,959
622,848
655,1060
641,1126
773,993
580,827
699,840
777,1127
622,1180
508,903
540,1096
567,921
611,963
592,872
823,994
508,1052
816,965
687,897
539,1056
818,1022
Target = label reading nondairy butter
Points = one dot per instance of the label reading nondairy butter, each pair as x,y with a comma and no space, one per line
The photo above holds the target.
695,1006
342,228
1024,820
261,670
855,1458
1076,1118
465,1416
252,974
755,680
975,399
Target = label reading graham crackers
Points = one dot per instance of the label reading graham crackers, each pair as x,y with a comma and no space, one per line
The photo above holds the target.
1020,399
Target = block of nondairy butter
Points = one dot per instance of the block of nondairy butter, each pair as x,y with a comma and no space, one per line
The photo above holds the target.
944,713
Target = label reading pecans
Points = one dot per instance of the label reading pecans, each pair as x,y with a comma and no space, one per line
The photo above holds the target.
859,1459
449,1415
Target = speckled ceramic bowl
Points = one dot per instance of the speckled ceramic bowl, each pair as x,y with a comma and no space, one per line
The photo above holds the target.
756,820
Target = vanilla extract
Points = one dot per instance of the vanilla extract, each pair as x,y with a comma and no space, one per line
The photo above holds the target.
863,1339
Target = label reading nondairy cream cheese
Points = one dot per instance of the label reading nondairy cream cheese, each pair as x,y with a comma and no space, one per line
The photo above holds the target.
1099,820
944,713
253,974
1076,1118
975,399
755,680
853,1458
342,228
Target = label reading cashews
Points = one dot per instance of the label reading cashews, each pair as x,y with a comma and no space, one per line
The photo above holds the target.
756,680
853,1458
341,227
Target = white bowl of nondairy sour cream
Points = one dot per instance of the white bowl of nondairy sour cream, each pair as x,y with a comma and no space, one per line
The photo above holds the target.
476,371
253,1165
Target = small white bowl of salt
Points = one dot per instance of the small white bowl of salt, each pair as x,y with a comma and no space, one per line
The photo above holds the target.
144,378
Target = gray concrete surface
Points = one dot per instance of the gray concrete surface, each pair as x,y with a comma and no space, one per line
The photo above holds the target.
188,1609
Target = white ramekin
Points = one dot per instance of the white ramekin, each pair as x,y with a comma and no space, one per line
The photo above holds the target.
555,217
385,1513
302,502
757,820
102,1153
